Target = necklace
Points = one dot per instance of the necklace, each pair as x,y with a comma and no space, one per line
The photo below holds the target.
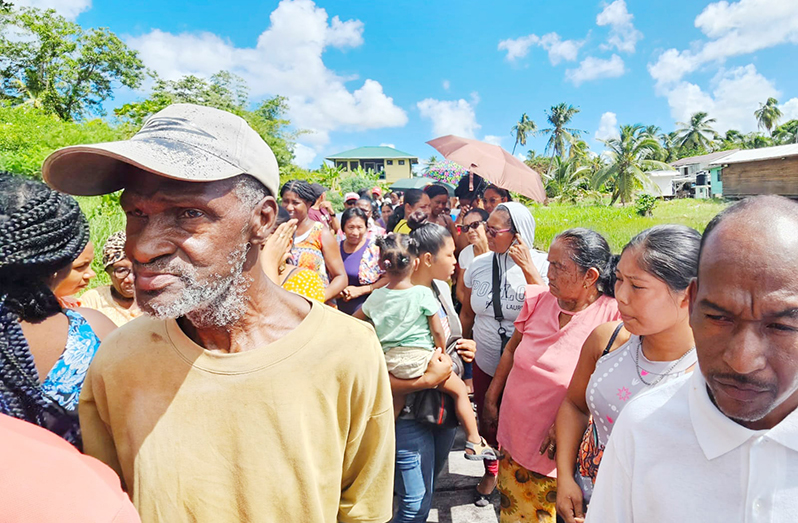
662,376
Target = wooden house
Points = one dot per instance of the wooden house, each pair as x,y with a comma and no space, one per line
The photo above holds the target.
769,170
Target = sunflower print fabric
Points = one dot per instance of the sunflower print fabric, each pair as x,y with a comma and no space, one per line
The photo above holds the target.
525,495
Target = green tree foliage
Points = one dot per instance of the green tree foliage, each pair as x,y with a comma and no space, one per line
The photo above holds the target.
697,135
566,180
630,156
561,136
537,162
768,115
28,135
786,133
524,127
50,63
225,91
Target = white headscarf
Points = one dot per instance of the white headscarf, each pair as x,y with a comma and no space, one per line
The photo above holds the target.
522,220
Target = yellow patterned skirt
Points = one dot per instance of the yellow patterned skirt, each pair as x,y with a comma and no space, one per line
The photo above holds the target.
525,495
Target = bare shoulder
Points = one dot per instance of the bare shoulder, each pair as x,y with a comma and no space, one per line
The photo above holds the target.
597,342
98,322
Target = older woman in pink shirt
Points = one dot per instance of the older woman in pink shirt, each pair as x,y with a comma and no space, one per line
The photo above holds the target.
535,369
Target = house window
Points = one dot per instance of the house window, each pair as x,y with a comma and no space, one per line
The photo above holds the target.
720,174
382,175
389,162
340,165
401,162
352,166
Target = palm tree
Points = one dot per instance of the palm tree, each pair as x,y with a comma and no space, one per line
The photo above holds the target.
630,156
786,133
697,133
537,162
580,152
524,127
429,163
561,136
768,114
566,179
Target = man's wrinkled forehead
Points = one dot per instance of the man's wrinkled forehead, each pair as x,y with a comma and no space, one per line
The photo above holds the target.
143,184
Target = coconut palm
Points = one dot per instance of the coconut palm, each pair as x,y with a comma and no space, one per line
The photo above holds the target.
522,129
786,133
768,114
561,136
630,156
429,163
566,179
697,133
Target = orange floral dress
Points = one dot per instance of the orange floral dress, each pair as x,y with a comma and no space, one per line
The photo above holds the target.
307,252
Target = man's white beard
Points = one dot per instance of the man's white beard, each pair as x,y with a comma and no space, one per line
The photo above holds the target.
219,302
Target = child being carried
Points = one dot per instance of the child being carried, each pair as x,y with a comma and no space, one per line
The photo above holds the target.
406,318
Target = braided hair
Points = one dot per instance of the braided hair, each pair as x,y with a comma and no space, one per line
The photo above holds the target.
41,232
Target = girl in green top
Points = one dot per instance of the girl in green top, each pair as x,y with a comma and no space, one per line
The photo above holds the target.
406,318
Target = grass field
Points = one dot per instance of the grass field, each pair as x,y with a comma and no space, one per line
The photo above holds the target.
619,224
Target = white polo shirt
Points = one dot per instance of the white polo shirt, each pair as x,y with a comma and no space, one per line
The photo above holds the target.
673,457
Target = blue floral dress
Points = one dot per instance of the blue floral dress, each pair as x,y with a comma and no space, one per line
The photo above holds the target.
64,381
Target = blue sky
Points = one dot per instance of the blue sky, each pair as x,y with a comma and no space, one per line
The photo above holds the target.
403,72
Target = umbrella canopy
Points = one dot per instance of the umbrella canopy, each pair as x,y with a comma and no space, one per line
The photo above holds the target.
492,163
446,171
419,183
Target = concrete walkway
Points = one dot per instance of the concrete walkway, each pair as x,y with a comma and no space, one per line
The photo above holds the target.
454,497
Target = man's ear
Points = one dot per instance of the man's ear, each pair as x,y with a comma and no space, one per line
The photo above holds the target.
263,219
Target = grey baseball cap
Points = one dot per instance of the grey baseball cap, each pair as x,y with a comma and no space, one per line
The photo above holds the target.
183,141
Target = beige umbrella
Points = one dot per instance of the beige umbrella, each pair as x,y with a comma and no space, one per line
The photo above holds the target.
492,163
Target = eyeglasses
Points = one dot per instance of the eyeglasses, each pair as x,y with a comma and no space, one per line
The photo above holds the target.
493,232
122,272
473,225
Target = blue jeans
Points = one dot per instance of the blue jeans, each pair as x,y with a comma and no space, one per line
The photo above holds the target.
421,453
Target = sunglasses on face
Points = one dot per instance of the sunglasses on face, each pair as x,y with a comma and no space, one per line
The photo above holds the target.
473,226
493,232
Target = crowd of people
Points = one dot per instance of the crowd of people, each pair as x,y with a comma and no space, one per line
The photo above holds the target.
260,357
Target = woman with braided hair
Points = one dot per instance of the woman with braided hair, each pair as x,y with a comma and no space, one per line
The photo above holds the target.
45,350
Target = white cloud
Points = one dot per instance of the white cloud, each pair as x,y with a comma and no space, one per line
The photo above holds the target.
493,140
304,156
446,85
608,127
392,146
557,48
736,94
451,116
790,110
732,29
286,60
623,35
592,68
69,9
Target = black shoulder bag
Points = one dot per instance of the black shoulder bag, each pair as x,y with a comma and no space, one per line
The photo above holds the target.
497,302
430,406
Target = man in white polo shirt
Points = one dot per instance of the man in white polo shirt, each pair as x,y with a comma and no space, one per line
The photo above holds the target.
722,444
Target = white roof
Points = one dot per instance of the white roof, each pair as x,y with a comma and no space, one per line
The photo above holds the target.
755,155
663,173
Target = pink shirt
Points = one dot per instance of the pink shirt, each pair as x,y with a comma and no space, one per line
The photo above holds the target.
542,368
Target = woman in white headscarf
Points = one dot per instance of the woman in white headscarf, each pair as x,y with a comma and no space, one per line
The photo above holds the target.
488,315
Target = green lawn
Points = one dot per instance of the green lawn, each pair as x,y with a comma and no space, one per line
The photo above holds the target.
619,224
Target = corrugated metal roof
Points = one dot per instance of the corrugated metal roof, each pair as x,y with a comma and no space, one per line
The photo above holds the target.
371,152
764,153
704,158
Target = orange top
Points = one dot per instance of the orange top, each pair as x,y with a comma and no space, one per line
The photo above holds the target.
44,478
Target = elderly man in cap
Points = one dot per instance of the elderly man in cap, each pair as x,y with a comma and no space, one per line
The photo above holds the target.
232,400
722,444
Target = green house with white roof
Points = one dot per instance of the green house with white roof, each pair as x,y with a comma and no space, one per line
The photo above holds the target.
392,164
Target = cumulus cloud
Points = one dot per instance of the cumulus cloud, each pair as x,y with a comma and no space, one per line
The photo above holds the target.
69,9
732,29
735,95
623,35
592,68
304,156
286,60
451,116
790,110
608,127
493,140
557,48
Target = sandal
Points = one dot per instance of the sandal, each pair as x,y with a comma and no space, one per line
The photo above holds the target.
480,499
480,451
